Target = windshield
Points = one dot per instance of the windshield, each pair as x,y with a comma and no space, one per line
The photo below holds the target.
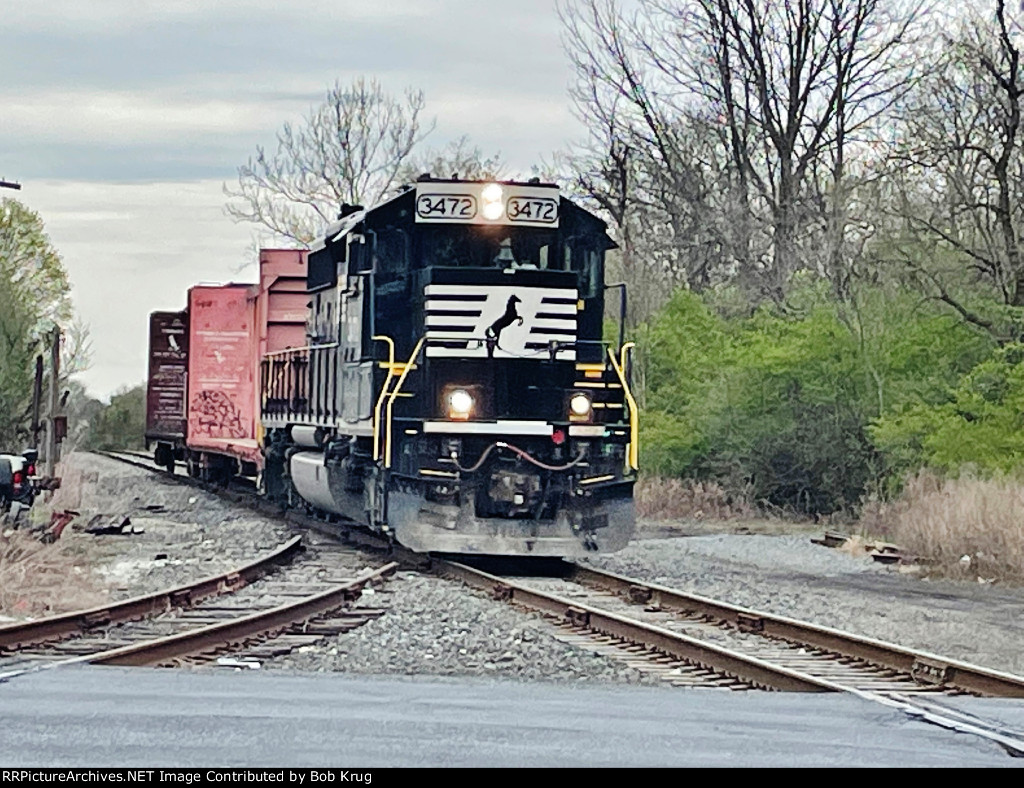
488,247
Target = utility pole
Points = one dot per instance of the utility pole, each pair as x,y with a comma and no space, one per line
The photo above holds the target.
9,184
37,403
51,422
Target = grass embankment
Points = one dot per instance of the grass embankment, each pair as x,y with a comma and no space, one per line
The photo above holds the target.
39,580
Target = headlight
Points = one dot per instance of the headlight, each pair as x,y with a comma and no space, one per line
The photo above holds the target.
494,205
460,405
579,405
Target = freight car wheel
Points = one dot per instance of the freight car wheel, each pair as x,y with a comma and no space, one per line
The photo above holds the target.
164,457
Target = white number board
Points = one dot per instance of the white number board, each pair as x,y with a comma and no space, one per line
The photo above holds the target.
487,203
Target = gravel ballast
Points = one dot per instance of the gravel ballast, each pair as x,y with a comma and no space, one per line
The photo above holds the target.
179,533
435,627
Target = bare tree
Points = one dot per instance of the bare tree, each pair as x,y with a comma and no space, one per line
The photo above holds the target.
350,149
751,110
458,159
960,170
642,167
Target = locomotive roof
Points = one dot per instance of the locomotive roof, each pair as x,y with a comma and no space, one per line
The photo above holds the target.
350,222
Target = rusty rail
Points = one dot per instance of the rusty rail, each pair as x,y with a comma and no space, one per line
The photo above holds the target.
925,667
265,623
74,623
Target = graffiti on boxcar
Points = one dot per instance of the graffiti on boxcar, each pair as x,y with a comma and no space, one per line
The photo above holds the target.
215,415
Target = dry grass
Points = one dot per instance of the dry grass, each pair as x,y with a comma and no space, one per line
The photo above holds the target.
38,580
658,498
963,527
856,545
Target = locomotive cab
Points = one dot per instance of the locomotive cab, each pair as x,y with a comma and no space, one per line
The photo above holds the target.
456,391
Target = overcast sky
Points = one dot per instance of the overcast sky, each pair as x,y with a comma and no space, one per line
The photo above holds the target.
124,118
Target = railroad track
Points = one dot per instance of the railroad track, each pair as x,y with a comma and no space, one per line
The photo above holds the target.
253,613
237,489
243,493
692,641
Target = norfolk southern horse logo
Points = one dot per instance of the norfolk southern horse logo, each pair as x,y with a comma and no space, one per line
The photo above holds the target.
500,321
493,332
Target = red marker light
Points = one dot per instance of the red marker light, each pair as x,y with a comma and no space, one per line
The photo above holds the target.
19,478
31,470
558,437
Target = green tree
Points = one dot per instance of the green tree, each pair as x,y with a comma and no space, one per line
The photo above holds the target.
17,350
34,294
122,423
980,424
84,413
782,405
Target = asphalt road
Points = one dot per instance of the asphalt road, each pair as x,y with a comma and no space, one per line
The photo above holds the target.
94,716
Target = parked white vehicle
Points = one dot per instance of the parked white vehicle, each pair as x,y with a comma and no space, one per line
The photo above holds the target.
17,482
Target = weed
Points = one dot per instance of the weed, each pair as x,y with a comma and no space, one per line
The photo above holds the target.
38,580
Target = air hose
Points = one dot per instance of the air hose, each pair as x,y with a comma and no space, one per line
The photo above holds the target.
521,453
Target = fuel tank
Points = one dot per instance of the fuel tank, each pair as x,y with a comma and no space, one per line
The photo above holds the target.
311,480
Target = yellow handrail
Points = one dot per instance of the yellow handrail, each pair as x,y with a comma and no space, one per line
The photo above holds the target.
633,454
383,393
393,396
622,354
391,347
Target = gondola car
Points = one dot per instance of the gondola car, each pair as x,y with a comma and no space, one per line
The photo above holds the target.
456,391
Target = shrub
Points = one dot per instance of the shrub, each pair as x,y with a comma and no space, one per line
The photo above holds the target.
981,423
782,403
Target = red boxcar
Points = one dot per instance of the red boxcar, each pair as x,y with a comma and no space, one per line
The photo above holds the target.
283,303
231,327
221,377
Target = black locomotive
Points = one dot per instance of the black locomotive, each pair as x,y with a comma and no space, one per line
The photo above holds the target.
457,391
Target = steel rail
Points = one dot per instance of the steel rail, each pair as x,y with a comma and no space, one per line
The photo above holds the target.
265,623
146,463
243,485
79,621
693,650
936,713
925,667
